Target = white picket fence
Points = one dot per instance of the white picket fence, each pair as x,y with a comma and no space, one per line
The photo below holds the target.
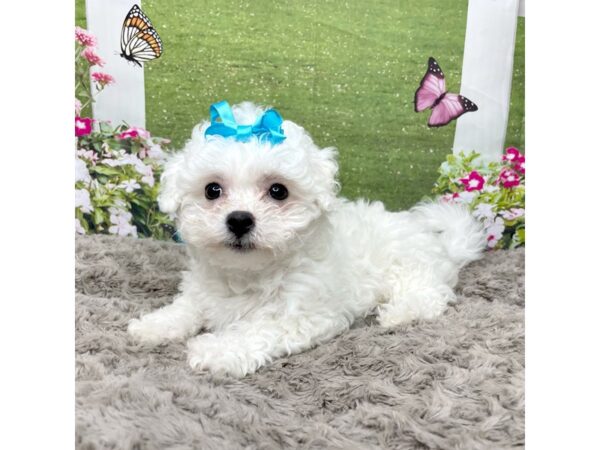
486,73
124,101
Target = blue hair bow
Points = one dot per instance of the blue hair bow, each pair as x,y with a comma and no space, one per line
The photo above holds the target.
267,127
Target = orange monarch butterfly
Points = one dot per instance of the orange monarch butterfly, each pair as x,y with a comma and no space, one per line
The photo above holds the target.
139,40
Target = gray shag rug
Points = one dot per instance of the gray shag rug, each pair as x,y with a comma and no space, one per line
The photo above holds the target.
453,383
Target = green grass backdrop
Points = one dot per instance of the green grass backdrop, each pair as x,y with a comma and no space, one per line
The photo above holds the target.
345,70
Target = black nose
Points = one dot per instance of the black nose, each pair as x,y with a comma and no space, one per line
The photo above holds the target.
240,222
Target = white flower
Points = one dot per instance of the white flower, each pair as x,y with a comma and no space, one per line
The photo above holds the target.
145,171
155,152
512,213
148,179
121,223
484,211
494,230
130,185
81,171
465,197
90,155
113,162
78,228
132,159
140,167
122,158
488,187
82,200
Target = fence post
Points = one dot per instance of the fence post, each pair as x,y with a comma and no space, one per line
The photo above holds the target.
487,76
123,101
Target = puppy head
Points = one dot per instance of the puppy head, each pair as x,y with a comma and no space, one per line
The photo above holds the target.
244,204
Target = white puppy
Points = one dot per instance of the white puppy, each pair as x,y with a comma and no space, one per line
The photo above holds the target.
279,264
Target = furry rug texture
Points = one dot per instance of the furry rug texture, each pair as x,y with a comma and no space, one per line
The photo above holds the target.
453,383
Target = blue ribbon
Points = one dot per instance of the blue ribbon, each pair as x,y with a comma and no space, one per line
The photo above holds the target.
267,127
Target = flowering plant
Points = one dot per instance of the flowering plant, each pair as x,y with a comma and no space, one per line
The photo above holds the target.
116,173
116,169
494,192
86,58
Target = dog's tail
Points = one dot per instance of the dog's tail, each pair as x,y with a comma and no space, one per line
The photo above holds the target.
460,233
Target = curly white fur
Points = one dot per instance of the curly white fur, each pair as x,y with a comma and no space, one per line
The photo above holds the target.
312,264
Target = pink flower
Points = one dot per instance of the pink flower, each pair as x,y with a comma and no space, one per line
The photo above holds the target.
520,167
83,126
474,182
90,54
84,37
77,107
134,132
509,178
102,79
513,155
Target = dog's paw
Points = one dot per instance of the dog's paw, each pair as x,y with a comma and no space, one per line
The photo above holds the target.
425,305
209,353
152,332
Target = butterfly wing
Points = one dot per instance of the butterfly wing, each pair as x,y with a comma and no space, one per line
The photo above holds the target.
450,107
139,40
145,46
432,87
135,21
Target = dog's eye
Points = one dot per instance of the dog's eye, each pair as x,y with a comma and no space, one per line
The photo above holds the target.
213,191
278,191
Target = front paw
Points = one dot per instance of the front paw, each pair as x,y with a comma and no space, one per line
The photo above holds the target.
148,330
210,353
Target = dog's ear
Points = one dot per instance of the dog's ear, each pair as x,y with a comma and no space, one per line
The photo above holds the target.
325,169
170,196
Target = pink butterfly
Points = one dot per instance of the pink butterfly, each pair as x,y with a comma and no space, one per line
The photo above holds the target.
444,105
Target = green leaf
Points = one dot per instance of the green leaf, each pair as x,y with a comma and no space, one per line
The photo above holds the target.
105,170
98,216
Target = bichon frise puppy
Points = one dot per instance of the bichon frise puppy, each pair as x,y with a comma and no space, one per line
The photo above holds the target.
278,263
